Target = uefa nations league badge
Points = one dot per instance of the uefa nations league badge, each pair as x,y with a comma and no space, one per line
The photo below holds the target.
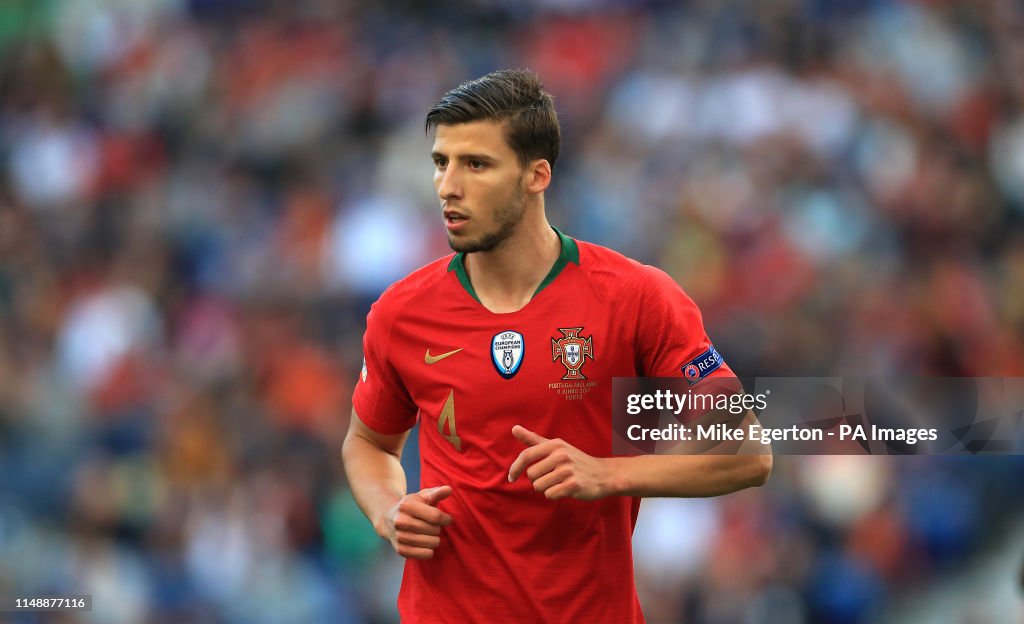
507,349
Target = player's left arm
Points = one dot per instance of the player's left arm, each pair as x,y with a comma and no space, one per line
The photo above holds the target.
560,470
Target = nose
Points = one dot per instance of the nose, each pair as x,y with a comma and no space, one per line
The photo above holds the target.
448,186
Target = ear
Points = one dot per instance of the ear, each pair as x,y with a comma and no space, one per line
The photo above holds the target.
538,176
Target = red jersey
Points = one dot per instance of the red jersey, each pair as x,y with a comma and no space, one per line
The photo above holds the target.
433,352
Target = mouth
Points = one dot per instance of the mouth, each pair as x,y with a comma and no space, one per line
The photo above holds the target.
454,219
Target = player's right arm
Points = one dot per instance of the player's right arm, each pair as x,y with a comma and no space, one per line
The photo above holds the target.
410,522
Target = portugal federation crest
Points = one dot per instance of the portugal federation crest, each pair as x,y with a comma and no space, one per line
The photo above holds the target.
507,350
573,351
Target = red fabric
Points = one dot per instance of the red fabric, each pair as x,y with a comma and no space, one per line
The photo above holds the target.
510,554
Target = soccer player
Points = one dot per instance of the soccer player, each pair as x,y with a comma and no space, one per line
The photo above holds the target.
505,351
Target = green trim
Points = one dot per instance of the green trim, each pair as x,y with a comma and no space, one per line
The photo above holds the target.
570,253
459,266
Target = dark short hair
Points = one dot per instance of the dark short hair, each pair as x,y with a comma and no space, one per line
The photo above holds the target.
514,96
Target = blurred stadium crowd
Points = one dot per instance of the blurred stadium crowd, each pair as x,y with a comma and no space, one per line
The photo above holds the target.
200,199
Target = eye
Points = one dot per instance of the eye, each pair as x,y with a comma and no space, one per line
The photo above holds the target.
440,163
477,165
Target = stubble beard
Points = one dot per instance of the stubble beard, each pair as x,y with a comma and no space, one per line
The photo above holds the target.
507,217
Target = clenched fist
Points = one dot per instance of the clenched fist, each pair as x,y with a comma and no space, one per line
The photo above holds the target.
559,469
413,525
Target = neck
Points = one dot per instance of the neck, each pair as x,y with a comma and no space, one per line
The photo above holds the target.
506,277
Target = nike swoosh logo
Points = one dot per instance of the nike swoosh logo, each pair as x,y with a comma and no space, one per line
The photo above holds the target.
433,359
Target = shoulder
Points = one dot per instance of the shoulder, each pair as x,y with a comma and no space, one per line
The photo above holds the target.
401,294
616,272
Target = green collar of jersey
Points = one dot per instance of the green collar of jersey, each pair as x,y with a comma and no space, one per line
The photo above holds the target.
570,253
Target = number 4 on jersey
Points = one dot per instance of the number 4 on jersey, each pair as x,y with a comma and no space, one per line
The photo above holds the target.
448,417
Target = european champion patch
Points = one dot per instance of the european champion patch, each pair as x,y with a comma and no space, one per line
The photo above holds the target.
703,365
507,351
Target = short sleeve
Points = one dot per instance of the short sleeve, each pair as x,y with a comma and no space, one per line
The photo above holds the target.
380,399
671,341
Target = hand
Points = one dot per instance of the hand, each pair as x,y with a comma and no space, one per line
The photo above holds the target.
559,469
413,525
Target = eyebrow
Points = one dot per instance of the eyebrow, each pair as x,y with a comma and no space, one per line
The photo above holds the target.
465,157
